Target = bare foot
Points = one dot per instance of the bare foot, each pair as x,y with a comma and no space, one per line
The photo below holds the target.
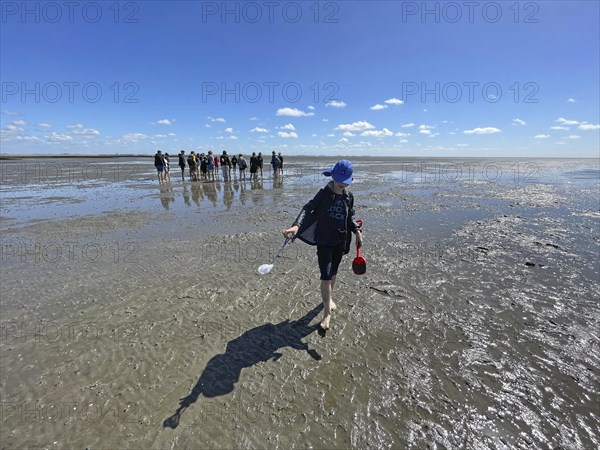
332,306
325,322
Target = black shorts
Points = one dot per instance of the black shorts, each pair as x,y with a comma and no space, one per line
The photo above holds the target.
329,260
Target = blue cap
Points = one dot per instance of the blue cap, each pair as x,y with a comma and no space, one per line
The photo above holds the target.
341,172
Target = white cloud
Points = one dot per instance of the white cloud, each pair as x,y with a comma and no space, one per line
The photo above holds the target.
208,126
312,108
336,104
426,129
343,140
11,131
90,132
286,135
348,134
80,130
171,134
588,126
289,126
394,101
293,112
355,126
325,120
378,107
541,136
486,130
377,133
165,122
400,134
44,125
259,130
571,100
566,121
519,122
218,119
134,137
27,138
408,125
56,137
228,130
559,128
19,123
11,113
462,145
330,135
573,136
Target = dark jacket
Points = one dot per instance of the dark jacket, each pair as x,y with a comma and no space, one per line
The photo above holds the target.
316,209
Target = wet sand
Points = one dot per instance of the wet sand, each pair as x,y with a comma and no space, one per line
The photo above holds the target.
133,315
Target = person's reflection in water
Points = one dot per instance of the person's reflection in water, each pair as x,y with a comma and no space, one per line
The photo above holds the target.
278,183
196,192
227,195
256,184
257,345
243,192
186,194
211,193
166,195
258,197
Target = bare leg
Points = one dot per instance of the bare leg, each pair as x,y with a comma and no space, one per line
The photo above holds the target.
332,306
326,297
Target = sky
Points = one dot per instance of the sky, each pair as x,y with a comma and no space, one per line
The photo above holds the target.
389,78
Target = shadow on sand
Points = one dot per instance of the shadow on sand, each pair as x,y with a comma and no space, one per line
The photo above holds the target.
259,344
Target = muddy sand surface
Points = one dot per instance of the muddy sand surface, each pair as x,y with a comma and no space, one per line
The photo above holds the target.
133,315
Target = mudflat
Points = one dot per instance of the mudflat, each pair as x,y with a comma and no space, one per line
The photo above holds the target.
133,314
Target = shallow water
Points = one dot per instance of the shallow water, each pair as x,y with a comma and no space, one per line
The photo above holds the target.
129,308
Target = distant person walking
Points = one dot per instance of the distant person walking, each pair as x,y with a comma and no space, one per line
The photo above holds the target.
234,164
217,161
182,164
203,167
253,166
192,162
260,163
280,162
226,166
275,163
242,166
167,173
159,163
210,166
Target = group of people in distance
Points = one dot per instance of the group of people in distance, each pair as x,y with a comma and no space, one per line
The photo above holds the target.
205,167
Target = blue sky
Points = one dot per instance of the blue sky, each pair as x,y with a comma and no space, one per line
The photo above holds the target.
321,78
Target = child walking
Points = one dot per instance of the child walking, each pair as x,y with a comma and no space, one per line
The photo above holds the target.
327,222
